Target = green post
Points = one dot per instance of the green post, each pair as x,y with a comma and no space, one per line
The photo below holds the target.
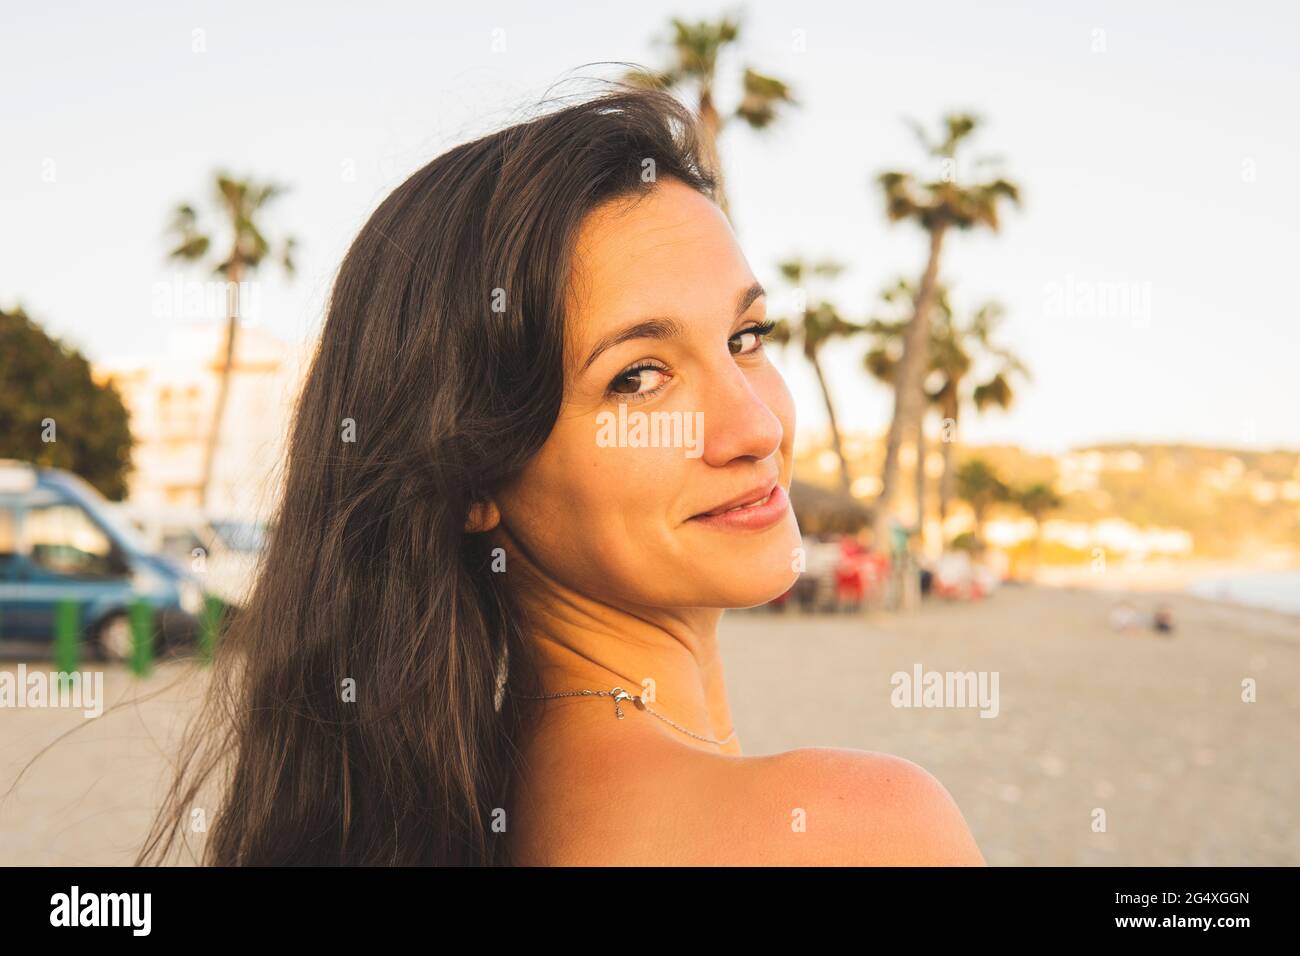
67,636
141,637
210,626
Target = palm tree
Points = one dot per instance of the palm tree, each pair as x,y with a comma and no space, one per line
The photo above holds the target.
980,487
884,357
813,328
1036,500
936,206
694,53
957,349
238,201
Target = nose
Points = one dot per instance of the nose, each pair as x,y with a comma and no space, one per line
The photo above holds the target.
738,424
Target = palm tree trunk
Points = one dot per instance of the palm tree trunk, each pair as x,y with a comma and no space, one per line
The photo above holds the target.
909,383
951,411
836,443
223,384
710,129
920,476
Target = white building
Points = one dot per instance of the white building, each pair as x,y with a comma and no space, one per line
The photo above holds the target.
172,400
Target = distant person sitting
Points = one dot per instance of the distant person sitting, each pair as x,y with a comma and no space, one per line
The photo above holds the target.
1163,620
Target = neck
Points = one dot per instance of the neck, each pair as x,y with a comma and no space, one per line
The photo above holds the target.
668,656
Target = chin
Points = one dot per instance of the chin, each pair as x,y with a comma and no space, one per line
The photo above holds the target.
751,596
749,584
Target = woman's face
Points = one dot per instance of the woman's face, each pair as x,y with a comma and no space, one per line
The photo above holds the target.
672,414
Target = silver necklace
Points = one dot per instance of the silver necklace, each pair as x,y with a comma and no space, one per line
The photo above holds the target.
620,695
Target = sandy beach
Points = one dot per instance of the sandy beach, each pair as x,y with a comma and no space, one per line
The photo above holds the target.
1151,730
1145,733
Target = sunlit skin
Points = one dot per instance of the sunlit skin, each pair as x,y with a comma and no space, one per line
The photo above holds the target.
624,582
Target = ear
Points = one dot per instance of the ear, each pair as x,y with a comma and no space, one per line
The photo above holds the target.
483,516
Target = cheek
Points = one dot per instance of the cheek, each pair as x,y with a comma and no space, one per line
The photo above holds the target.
590,514
606,520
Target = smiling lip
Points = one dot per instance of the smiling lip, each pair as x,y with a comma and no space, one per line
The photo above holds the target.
757,509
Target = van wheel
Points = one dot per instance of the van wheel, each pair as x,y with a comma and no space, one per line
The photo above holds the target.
114,639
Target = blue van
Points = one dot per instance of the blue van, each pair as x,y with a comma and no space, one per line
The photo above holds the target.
61,540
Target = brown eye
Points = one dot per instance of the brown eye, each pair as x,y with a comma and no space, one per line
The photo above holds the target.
743,343
636,381
750,339
627,383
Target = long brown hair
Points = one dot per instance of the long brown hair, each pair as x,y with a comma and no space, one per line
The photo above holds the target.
354,712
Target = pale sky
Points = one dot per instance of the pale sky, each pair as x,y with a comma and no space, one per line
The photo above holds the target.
1156,148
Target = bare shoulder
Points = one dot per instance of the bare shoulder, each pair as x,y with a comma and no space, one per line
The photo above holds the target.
808,807
845,807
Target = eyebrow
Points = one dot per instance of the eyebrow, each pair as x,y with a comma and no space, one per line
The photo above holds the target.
664,328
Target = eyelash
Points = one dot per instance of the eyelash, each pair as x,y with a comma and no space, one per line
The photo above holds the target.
761,329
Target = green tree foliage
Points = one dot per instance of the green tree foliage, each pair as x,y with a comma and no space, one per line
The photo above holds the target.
46,391
693,51
241,204
812,329
980,486
937,206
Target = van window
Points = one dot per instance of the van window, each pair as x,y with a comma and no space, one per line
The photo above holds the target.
180,543
8,532
64,540
8,545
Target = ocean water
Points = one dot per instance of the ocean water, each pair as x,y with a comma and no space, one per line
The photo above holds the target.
1275,590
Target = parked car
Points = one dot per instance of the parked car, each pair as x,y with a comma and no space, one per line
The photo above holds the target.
221,553
61,540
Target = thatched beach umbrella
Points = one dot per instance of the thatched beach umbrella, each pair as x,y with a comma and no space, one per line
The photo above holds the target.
822,511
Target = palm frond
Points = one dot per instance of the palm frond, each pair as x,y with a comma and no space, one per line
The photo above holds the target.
696,46
881,364
792,270
191,248
231,192
996,392
781,333
958,126
761,98
184,219
651,80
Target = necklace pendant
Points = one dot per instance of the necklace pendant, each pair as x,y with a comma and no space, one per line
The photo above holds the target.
619,695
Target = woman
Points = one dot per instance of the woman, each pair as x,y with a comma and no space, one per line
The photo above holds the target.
540,448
